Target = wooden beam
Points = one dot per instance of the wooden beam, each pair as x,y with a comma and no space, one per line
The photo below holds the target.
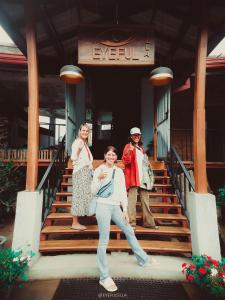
199,138
11,28
33,98
182,31
52,33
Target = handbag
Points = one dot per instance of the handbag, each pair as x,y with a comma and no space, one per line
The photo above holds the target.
107,190
104,192
148,175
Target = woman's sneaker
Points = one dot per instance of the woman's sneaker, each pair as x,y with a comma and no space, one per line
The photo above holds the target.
108,284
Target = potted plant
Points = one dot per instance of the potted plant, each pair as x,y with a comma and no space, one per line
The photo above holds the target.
206,273
13,267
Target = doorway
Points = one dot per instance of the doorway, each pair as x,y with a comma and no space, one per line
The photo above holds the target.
116,107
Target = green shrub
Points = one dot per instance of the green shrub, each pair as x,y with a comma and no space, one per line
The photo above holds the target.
207,273
11,179
220,199
13,266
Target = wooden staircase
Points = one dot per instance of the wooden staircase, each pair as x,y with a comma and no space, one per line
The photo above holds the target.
173,235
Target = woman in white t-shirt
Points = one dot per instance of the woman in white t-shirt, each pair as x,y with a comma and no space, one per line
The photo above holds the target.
82,176
108,208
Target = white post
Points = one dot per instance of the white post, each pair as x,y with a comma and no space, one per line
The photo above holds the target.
27,225
204,225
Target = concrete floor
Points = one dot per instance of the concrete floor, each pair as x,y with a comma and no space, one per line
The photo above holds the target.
121,264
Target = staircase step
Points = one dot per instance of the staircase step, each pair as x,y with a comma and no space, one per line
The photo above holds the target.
155,169
156,185
161,177
156,177
157,216
153,204
93,229
114,245
151,194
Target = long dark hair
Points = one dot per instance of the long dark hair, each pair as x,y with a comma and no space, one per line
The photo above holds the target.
111,148
140,143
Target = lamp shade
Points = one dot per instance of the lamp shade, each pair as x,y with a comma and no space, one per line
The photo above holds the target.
71,74
161,76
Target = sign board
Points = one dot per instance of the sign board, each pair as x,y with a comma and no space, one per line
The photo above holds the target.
115,46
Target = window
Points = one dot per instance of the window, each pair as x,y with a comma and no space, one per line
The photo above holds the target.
60,130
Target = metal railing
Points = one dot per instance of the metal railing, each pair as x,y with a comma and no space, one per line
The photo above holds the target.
180,177
50,181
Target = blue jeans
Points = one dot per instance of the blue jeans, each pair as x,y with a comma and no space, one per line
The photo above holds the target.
104,214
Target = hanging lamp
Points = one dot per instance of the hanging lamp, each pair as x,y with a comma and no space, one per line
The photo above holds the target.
71,74
161,76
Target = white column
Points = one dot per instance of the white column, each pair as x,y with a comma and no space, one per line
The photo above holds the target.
204,225
27,225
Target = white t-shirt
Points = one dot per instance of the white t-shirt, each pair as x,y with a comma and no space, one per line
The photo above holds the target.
140,157
119,196
85,157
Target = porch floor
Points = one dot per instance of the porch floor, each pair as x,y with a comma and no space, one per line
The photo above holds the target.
85,265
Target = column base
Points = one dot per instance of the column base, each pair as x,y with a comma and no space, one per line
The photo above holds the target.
204,225
27,225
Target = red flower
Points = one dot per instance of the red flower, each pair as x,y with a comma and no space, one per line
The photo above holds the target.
207,264
202,271
215,262
190,278
223,266
208,257
192,267
184,265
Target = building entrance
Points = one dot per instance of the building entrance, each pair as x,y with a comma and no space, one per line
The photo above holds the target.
116,107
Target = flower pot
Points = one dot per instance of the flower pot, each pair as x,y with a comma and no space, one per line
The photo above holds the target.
5,291
3,239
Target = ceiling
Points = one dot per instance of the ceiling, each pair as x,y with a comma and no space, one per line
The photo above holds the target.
174,23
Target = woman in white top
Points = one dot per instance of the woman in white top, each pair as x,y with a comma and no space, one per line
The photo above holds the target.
82,176
109,209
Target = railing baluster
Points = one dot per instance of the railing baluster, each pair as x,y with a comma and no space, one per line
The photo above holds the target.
51,179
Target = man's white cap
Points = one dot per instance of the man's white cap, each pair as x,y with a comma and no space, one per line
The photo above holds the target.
135,130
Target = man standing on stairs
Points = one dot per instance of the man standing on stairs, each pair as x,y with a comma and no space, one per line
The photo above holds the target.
82,176
134,158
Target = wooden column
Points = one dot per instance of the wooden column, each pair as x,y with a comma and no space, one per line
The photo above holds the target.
155,127
199,136
33,98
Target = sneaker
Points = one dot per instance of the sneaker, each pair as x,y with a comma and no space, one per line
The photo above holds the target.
152,263
108,284
151,227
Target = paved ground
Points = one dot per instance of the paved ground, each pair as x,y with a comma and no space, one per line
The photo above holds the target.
45,290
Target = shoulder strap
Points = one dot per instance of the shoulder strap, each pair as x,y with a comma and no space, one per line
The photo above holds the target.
113,174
